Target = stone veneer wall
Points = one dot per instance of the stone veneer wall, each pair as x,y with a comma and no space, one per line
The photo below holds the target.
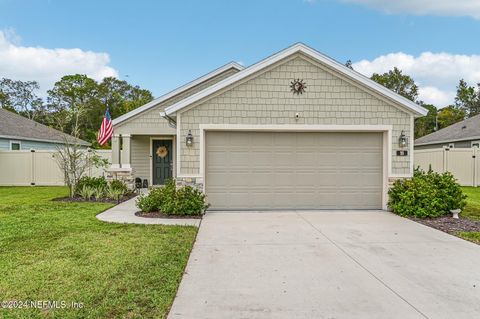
126,176
266,99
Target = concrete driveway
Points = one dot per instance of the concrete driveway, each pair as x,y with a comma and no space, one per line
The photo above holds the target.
327,264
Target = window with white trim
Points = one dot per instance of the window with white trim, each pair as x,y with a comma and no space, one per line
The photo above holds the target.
451,145
475,144
15,145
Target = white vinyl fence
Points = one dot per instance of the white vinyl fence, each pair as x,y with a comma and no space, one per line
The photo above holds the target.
463,163
23,168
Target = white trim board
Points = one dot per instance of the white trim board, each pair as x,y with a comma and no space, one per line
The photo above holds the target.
177,91
412,107
385,129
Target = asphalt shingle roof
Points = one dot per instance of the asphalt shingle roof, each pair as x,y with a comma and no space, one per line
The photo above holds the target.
465,130
17,126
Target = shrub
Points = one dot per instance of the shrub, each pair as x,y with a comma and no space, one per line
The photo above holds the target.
152,201
189,201
99,192
92,182
86,192
118,185
115,193
427,194
169,200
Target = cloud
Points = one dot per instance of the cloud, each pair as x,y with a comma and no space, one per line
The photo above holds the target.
425,7
437,74
48,65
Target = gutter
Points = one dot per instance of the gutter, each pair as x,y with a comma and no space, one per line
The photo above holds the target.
449,141
171,122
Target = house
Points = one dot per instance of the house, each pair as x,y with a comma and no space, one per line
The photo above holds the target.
464,134
19,133
296,130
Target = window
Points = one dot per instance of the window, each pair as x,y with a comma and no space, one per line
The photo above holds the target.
15,145
451,145
476,144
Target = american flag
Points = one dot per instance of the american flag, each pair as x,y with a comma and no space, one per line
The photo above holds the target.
106,130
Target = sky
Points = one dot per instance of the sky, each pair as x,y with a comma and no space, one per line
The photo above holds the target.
160,45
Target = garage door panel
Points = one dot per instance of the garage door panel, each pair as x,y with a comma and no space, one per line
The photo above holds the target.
281,170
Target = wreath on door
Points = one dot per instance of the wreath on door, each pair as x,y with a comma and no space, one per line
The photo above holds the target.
162,152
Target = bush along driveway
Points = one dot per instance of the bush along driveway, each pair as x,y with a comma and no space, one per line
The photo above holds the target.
428,197
468,225
58,251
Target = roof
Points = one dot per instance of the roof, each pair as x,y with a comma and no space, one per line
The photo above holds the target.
177,91
410,106
14,126
465,130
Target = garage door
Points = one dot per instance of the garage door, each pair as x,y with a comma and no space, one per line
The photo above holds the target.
305,170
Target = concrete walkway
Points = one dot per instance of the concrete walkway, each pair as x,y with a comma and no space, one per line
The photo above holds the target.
336,264
124,213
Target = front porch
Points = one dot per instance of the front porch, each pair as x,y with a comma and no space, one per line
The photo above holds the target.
152,158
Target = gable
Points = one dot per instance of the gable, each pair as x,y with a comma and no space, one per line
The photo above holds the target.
149,121
342,71
327,91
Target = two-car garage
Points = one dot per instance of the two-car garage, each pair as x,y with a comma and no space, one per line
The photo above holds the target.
293,170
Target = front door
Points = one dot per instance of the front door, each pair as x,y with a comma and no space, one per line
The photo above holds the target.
162,161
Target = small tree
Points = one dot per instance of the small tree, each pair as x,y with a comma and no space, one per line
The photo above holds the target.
71,102
74,160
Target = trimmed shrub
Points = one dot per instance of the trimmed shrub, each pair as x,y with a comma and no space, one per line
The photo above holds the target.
169,200
427,194
152,201
169,191
189,201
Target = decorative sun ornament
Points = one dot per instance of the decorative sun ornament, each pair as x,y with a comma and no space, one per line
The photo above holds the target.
298,86
162,152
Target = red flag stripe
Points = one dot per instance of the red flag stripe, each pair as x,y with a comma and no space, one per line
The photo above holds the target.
106,129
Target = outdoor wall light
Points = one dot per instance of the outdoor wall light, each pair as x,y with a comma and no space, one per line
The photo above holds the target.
402,140
189,139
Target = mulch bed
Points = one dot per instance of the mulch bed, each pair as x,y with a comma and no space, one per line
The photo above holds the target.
450,225
103,200
162,215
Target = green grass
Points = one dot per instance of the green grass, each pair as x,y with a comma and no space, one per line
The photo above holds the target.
59,251
471,211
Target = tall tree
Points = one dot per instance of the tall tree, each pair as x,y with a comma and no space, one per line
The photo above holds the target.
468,98
69,102
426,124
450,115
21,97
83,96
398,82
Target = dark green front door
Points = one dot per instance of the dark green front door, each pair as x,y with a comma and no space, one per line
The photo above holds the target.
162,161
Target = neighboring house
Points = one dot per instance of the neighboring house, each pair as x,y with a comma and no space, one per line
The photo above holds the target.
296,130
19,133
463,134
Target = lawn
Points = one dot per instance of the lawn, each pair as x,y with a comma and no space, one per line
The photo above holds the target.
58,251
471,211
